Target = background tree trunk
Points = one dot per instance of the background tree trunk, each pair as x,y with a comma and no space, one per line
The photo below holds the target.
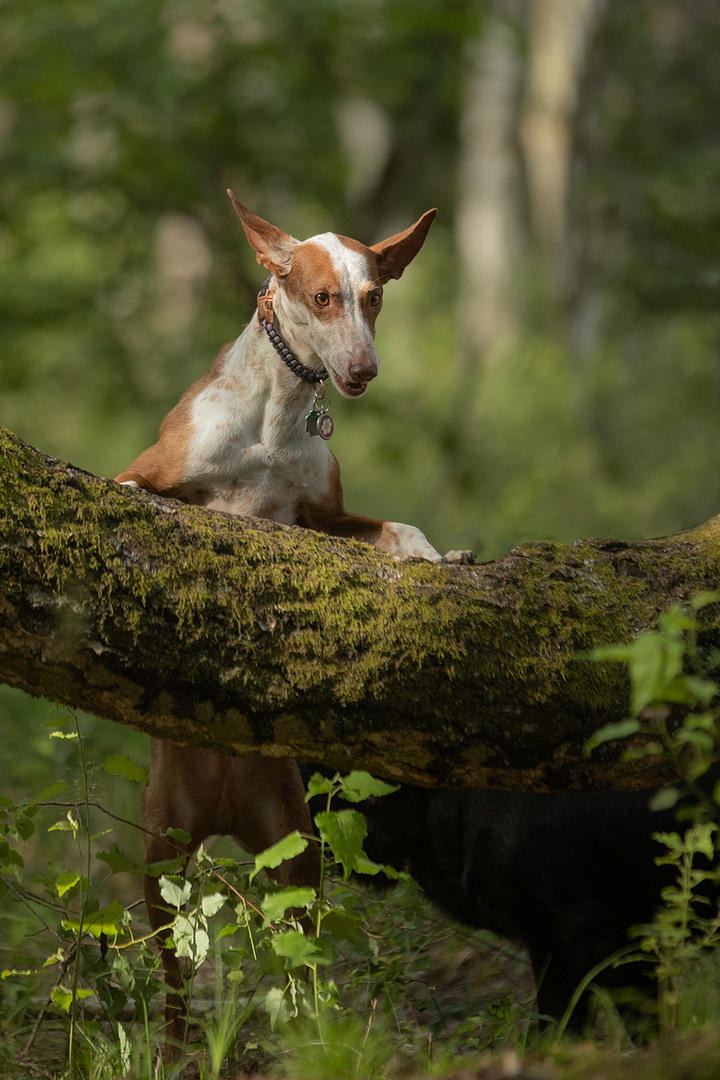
557,39
250,637
488,195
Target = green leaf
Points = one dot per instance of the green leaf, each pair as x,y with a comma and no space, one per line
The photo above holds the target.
321,785
291,845
367,866
124,973
108,920
58,957
664,799
700,741
25,827
125,1049
276,904
178,834
103,832
118,861
655,662
212,903
616,653
343,925
53,790
164,866
293,946
121,765
702,599
65,882
12,859
359,785
228,930
174,893
639,753
703,839
191,939
704,691
64,998
276,1006
676,621
344,831
202,856
620,730
66,824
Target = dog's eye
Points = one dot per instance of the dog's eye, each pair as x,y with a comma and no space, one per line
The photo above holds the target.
375,299
322,299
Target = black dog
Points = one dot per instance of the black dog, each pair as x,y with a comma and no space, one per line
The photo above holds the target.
566,875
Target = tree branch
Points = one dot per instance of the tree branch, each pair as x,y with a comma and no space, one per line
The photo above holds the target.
246,636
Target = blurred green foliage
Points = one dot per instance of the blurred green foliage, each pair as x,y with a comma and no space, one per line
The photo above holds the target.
122,268
649,157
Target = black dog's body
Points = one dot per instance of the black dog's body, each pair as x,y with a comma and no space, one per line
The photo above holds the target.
566,875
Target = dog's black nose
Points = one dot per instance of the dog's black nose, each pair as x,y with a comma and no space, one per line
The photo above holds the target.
362,373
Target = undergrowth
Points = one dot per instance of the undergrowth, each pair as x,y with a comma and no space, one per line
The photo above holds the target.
83,995
381,984
675,714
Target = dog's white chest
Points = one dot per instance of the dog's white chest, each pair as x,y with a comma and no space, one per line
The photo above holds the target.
253,456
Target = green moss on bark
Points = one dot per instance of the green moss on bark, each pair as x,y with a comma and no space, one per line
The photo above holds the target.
249,634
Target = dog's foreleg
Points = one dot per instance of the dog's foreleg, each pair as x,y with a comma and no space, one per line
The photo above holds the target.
408,542
158,849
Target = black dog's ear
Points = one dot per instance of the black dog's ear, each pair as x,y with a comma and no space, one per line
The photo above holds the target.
275,248
398,251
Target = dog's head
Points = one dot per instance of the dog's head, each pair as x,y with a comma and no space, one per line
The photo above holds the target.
328,293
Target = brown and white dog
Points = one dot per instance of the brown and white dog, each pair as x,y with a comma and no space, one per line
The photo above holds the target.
243,439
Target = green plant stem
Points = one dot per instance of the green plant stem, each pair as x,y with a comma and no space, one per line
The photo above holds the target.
84,886
582,986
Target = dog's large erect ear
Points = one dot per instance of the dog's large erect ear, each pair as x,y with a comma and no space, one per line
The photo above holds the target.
394,254
274,247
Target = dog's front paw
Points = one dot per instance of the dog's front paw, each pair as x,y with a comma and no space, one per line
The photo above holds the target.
459,558
405,542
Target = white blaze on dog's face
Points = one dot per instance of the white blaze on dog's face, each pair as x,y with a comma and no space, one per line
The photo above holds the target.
328,293
327,307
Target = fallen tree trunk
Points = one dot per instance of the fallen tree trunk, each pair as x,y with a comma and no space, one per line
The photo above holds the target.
249,637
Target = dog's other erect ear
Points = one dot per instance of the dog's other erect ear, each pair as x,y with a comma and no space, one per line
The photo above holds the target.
394,254
274,247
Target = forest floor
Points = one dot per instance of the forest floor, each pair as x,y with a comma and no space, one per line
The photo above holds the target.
462,1009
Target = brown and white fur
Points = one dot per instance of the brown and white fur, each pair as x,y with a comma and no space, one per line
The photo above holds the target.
236,441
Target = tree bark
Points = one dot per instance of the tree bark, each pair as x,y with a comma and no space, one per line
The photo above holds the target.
245,636
557,39
488,203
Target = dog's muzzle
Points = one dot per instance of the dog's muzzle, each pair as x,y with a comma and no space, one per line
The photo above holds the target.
359,375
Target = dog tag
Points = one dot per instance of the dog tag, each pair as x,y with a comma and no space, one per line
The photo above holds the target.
319,423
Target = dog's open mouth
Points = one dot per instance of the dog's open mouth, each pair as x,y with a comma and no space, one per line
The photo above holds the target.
350,389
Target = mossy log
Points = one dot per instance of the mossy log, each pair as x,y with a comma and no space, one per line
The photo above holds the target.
245,636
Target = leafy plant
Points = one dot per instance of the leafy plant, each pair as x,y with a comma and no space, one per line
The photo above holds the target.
686,925
86,959
675,707
336,970
667,674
